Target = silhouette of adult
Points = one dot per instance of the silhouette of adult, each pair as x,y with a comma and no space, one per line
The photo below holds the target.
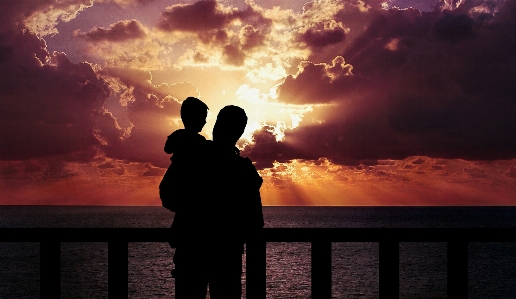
221,212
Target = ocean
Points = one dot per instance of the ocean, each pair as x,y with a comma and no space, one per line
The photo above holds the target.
492,266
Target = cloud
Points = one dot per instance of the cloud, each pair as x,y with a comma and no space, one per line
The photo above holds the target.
49,105
40,17
233,55
78,111
126,44
152,113
323,34
251,37
266,150
226,34
475,172
128,3
407,87
216,37
305,86
153,171
107,165
117,32
511,172
200,16
223,36
419,161
451,27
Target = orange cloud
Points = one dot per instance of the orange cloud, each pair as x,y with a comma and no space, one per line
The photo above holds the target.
372,107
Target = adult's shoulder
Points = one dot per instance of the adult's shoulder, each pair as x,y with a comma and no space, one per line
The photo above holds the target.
249,170
174,140
245,161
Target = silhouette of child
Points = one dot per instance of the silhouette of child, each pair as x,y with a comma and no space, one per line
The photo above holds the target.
184,145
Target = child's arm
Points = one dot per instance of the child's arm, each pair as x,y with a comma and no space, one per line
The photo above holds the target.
177,137
169,145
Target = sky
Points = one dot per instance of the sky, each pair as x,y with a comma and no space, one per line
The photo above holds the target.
352,103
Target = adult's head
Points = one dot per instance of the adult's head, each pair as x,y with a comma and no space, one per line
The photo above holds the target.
194,113
230,125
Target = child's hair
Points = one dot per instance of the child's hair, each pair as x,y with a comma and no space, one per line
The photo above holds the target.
192,108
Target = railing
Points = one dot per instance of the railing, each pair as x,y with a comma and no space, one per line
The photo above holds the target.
320,238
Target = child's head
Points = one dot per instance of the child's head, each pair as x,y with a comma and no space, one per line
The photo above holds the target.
194,113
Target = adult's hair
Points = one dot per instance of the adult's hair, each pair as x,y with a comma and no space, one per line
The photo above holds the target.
230,125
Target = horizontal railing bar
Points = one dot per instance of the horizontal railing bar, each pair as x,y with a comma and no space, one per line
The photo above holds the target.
269,234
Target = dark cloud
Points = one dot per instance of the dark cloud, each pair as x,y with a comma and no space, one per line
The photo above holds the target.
211,22
412,88
323,34
57,170
33,171
14,13
511,172
145,2
409,27
251,37
437,167
419,161
49,104
202,16
386,162
266,149
474,172
149,110
233,50
408,166
331,82
200,58
153,171
52,107
217,37
452,27
233,55
117,32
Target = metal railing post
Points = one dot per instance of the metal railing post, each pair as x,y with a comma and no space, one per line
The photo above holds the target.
457,261
118,239
50,269
389,254
321,270
118,269
256,269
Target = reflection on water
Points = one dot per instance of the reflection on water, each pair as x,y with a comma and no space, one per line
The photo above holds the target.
355,270
492,266
288,270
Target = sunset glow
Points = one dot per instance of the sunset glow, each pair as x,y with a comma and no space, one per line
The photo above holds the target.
349,102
